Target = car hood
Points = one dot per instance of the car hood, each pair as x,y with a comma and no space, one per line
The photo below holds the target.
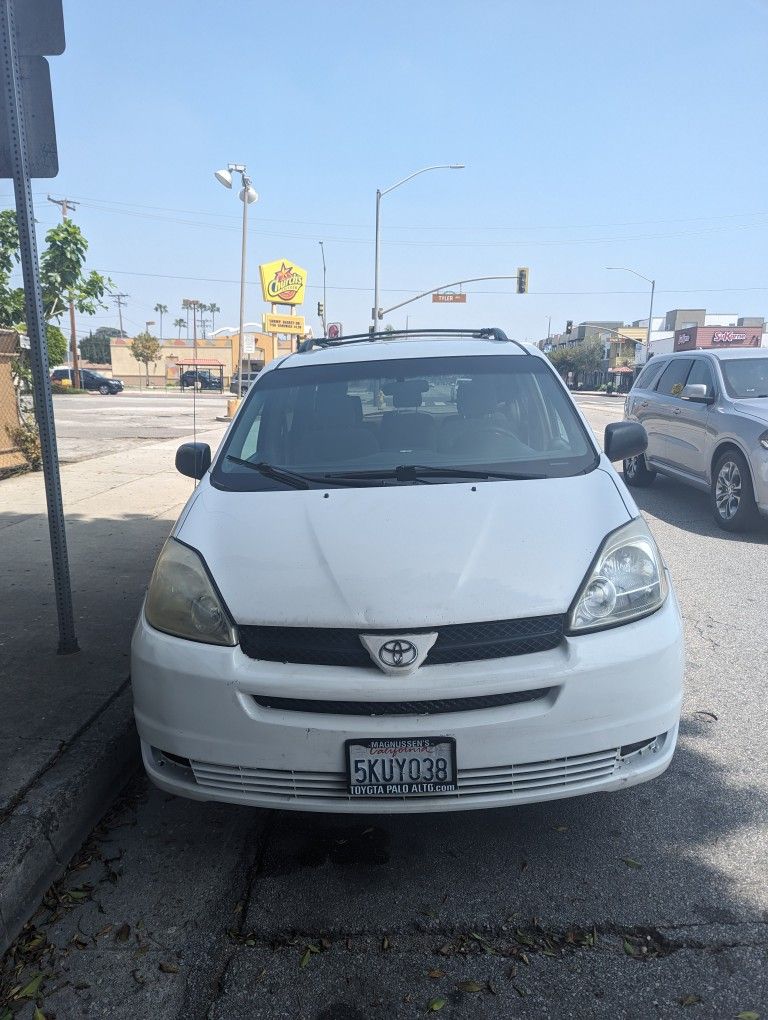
757,408
403,556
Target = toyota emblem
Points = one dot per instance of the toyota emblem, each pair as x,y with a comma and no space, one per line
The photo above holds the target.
398,653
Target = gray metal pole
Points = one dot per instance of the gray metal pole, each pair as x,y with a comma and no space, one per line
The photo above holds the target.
246,186
376,265
650,320
36,330
325,307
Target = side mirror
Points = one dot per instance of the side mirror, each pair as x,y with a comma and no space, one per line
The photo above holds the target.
193,459
624,439
698,393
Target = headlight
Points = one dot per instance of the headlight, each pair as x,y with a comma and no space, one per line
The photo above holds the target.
626,581
763,440
182,599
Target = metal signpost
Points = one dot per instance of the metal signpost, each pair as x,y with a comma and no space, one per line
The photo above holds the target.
28,149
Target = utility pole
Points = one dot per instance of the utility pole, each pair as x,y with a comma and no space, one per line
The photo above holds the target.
65,205
119,300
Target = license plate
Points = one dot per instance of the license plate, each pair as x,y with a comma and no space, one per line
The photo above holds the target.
401,767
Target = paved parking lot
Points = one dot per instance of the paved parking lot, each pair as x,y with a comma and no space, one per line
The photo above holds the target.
652,902
93,426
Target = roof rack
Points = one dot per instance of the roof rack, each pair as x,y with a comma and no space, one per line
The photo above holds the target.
485,333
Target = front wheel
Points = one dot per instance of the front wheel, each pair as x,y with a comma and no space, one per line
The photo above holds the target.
733,498
104,389
637,473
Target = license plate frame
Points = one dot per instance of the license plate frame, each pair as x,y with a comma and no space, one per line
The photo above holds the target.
410,748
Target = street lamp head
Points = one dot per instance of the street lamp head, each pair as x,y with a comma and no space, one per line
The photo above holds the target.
249,194
224,177
457,166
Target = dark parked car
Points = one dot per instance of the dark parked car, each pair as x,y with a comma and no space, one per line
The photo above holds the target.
89,380
201,379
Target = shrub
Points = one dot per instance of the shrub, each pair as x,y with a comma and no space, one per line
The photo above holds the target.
27,439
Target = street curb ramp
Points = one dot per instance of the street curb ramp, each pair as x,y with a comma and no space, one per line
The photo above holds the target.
43,830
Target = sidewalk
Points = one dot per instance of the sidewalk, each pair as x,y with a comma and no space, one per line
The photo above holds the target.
67,742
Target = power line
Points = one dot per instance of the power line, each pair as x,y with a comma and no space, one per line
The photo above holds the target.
409,290
107,205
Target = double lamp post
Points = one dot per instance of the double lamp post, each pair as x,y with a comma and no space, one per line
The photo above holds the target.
247,196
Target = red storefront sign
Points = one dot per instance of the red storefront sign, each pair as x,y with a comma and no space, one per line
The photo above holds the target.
697,337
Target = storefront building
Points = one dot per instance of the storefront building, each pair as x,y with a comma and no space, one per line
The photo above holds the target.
696,338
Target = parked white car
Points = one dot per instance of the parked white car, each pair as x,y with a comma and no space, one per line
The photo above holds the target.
410,581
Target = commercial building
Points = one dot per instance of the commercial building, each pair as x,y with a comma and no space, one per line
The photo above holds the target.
214,354
625,348
695,338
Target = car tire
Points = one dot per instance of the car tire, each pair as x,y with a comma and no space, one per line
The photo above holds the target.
637,474
104,390
732,494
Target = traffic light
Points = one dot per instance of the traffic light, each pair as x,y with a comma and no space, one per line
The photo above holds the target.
569,327
320,309
522,280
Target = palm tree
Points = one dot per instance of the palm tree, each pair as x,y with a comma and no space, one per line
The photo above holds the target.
214,310
161,311
180,324
186,304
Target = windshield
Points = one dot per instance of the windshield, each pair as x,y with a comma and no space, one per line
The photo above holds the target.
503,415
745,377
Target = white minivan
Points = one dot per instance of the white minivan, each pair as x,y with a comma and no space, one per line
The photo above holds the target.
409,581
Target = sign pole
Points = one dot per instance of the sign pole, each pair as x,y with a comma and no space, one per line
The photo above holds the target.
36,328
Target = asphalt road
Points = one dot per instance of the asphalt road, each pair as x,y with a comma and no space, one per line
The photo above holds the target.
93,426
648,903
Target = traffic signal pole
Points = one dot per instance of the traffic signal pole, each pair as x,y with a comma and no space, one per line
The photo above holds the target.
36,326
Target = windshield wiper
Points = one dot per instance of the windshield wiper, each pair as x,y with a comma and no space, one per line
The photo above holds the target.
415,472
292,478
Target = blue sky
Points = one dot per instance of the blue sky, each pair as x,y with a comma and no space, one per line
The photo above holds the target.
593,133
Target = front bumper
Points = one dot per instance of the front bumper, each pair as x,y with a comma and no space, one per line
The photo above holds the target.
605,691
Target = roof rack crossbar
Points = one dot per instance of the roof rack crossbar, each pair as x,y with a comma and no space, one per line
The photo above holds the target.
484,333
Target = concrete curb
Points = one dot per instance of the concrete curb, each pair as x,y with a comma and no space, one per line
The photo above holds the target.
44,830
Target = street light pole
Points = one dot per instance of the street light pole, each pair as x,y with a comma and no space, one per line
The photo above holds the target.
377,243
625,269
243,255
247,196
325,307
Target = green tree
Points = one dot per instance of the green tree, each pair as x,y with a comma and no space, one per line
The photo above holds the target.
180,324
145,349
55,341
581,359
161,311
62,275
96,346
214,310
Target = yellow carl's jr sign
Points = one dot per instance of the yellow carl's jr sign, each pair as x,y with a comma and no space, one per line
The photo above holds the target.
283,324
283,282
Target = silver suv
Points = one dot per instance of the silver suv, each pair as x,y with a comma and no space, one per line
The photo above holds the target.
706,415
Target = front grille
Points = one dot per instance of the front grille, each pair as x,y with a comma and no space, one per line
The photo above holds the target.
458,642
370,708
281,785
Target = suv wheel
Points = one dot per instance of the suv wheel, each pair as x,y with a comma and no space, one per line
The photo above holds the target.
733,498
637,473
104,389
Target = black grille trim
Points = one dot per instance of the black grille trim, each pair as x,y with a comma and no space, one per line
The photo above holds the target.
435,706
459,642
